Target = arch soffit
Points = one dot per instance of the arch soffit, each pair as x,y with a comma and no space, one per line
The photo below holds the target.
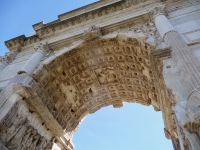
98,73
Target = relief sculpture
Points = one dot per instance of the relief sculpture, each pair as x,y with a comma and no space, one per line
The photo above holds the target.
106,75
132,54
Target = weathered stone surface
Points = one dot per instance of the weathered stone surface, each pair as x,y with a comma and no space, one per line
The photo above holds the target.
112,52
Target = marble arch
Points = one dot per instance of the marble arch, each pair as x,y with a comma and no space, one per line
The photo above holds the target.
72,67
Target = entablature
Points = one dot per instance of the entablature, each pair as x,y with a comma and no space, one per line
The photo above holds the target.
43,31
70,26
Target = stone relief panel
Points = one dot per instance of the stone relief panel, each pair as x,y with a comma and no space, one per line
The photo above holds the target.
19,130
92,32
96,74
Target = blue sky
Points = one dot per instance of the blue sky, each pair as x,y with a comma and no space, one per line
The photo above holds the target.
132,127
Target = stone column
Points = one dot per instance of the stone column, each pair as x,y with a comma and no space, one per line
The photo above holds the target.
186,64
41,50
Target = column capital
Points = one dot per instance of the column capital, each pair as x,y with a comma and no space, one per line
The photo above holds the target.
158,10
9,57
42,47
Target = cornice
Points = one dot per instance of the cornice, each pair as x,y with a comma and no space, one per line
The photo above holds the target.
43,30
86,8
84,15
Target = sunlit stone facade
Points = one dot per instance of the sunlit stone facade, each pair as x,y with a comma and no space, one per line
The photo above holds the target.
106,53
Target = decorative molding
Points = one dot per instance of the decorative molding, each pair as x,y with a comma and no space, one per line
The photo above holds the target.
9,57
92,33
99,73
16,131
162,54
160,9
14,43
43,30
148,29
42,47
31,96
51,28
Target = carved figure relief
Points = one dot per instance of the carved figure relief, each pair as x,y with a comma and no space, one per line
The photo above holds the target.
18,133
92,33
106,75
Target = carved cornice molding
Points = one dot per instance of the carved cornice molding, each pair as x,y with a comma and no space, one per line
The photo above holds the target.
192,127
14,43
162,53
47,29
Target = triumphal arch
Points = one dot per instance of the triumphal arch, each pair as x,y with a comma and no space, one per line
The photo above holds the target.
106,53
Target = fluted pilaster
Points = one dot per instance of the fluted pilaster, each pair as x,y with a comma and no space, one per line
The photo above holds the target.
185,61
186,64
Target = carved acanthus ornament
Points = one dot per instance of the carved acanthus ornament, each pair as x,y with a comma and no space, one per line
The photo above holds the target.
158,10
9,57
42,47
92,33
148,29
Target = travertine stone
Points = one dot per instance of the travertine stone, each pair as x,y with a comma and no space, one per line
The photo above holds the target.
2,66
41,50
184,60
163,25
92,33
187,66
106,53
7,59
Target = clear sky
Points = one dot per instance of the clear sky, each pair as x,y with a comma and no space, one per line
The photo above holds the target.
133,127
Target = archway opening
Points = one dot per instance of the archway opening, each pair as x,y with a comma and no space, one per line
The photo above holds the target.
84,78
130,127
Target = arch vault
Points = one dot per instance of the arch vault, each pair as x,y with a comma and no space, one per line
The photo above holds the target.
72,67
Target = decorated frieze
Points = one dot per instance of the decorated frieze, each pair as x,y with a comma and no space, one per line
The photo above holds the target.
59,25
18,131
